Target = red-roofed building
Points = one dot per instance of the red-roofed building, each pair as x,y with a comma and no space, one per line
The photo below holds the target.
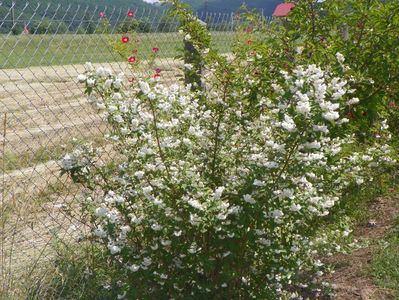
283,9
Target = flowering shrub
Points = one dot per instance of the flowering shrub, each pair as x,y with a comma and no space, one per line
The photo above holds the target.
212,196
365,32
220,193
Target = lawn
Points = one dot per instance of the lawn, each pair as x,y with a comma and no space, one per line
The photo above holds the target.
63,49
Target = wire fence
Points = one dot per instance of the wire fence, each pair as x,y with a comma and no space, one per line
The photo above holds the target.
44,114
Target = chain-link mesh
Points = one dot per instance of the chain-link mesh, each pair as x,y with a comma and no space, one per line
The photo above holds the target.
43,113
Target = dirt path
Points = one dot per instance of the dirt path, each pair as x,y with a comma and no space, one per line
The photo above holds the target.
352,275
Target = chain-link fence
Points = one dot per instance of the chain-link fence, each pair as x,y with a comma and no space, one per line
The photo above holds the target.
44,114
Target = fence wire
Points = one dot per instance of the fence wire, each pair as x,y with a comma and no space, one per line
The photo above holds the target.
44,114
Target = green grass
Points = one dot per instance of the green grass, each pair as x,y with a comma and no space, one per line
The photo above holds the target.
77,272
385,264
64,49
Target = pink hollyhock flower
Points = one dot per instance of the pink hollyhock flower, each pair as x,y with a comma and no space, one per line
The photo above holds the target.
132,59
157,70
130,13
125,39
157,76
101,14
155,50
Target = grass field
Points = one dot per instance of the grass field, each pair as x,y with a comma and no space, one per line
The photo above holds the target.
64,49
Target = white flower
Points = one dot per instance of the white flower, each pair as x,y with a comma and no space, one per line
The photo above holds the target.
286,193
125,229
299,50
119,199
312,145
328,106
166,243
114,249
108,83
117,96
331,115
101,211
139,174
187,37
147,261
102,72
100,105
118,83
271,165
277,88
353,101
303,107
338,94
259,183
195,203
188,66
82,77
320,128
112,108
218,192
249,199
193,248
156,227
91,82
288,124
68,162
340,58
118,119
367,158
359,181
264,241
294,249
277,214
147,189
99,231
144,87
343,121
295,207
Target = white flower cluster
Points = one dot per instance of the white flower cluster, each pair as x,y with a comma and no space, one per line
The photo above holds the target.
209,193
80,159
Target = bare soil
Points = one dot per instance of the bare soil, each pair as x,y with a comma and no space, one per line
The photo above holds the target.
352,274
